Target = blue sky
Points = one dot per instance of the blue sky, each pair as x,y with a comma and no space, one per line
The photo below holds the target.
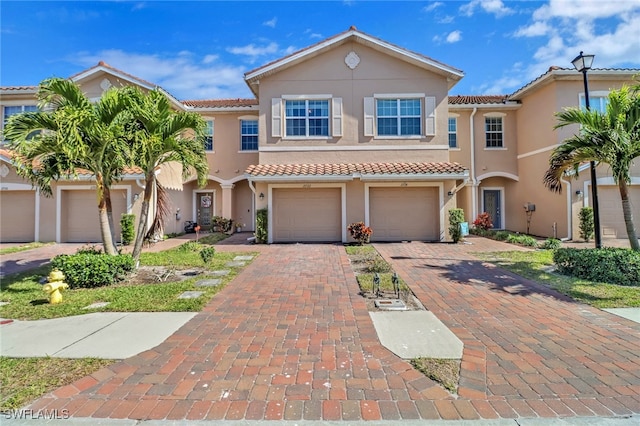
201,49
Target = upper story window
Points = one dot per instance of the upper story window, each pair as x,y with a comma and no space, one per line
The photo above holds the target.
398,117
208,136
408,115
307,117
597,101
248,135
8,111
493,128
453,132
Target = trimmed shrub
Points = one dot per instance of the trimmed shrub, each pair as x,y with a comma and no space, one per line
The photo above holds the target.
483,221
262,231
523,240
551,244
128,228
207,254
502,235
587,227
360,232
88,270
190,246
456,217
609,265
89,249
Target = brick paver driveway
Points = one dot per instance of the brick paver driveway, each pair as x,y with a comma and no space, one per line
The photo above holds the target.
291,339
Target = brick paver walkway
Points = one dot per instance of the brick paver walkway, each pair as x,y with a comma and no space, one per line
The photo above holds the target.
291,339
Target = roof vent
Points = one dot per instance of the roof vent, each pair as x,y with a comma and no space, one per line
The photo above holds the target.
353,28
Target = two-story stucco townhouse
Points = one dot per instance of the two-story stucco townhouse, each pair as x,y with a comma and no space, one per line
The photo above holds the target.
350,129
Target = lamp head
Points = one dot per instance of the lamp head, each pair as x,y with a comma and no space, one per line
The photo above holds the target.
583,62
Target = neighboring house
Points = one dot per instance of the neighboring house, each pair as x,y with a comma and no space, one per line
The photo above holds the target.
350,129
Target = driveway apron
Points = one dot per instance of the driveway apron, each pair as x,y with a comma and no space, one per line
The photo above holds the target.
528,350
290,338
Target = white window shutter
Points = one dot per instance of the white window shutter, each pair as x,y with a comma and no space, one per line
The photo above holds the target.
369,116
337,116
276,117
430,115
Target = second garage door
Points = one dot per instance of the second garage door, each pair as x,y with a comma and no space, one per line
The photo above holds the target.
307,215
611,217
18,216
80,222
399,214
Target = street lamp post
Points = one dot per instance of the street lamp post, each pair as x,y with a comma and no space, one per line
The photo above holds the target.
582,63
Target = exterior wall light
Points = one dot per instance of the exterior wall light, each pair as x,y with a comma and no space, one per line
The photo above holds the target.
261,196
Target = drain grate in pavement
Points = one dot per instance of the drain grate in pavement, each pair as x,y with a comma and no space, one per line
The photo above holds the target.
390,304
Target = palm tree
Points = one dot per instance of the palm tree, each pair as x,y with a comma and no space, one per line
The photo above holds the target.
70,133
161,136
612,137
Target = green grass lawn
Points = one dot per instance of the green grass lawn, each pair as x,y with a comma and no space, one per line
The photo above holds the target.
24,379
27,301
536,265
23,247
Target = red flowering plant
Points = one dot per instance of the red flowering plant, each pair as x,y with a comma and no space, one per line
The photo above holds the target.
483,221
360,232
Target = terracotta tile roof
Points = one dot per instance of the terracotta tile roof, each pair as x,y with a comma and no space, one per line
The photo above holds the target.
297,170
7,153
220,103
480,99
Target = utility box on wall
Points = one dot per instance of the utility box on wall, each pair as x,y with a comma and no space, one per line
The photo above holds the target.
529,207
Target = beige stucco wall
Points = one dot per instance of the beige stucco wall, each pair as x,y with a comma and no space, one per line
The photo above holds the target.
328,74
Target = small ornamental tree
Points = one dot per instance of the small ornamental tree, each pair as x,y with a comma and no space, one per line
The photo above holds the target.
360,232
456,217
586,223
483,221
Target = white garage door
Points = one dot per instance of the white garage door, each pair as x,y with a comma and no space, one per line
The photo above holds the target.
307,215
611,218
17,216
399,214
80,222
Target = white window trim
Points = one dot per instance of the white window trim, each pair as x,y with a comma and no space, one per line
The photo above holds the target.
213,135
248,118
428,109
282,117
592,94
457,147
504,142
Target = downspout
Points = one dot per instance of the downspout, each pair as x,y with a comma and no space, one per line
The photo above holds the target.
474,182
569,212
253,202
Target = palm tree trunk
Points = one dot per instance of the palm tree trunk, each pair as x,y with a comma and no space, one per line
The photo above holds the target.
142,221
628,215
105,230
112,228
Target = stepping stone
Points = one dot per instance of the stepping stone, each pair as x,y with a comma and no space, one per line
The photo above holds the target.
208,283
242,258
4,303
390,305
235,264
220,273
191,295
96,305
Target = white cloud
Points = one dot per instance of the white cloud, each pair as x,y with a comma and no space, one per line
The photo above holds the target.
590,9
494,7
432,6
311,34
271,23
253,50
534,30
454,36
446,19
184,75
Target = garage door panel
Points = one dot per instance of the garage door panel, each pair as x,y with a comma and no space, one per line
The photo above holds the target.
398,214
307,215
17,221
80,218
611,218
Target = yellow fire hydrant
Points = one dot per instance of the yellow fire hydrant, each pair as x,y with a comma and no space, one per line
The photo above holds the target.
55,286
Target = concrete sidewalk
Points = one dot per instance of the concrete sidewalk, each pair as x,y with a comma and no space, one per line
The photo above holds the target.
109,335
